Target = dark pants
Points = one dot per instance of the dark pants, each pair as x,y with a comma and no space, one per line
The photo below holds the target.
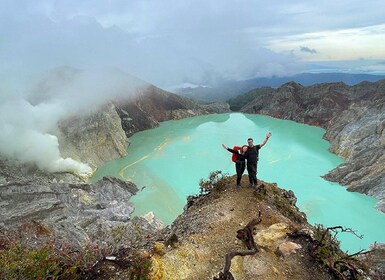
240,168
252,170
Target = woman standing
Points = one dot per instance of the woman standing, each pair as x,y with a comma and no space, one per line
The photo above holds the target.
239,163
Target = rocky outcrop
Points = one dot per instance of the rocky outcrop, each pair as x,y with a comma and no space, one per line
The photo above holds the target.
67,207
76,213
197,242
354,119
13,172
361,142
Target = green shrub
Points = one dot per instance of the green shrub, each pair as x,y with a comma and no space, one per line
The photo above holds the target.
217,181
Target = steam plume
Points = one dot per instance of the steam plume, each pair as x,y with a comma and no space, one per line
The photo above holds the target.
28,123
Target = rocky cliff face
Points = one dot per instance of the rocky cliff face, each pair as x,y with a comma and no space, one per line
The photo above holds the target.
93,138
152,105
354,119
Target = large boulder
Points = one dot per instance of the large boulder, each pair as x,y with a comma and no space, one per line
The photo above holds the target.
77,213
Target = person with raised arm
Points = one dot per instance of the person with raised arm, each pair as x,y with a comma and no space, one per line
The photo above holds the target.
240,163
252,156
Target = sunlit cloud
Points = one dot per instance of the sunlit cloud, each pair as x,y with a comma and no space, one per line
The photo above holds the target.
345,44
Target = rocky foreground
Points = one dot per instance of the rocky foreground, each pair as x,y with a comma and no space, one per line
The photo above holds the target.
285,246
354,119
195,245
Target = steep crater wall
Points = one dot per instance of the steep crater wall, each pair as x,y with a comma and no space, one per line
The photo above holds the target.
101,135
354,119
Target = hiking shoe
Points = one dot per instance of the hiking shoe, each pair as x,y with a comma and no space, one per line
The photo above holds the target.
238,187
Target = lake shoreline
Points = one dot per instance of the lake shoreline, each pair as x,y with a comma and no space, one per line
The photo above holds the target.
274,158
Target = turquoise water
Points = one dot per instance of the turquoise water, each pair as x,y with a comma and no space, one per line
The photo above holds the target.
168,162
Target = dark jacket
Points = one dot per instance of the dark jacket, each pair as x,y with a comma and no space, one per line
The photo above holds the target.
240,157
252,154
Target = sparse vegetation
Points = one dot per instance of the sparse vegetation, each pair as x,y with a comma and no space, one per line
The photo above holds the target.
287,209
140,266
282,200
327,251
217,181
32,252
47,260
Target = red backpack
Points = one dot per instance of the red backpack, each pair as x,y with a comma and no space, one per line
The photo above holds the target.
234,156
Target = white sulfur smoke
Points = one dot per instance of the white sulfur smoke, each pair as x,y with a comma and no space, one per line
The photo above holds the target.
27,128
25,136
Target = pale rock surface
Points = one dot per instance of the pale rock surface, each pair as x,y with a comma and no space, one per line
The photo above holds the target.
287,248
93,138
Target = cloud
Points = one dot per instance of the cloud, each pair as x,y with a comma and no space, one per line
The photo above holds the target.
187,42
308,50
171,42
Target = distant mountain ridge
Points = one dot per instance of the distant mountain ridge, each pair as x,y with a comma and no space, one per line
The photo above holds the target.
230,89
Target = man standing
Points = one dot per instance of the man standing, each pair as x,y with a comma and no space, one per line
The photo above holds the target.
252,155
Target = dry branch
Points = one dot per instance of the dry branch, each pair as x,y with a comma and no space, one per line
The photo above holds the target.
246,235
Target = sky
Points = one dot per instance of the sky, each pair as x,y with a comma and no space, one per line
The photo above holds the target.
169,42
